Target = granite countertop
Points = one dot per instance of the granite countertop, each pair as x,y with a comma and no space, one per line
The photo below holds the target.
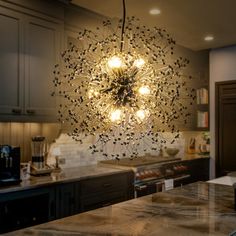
225,180
196,209
194,156
74,174
66,175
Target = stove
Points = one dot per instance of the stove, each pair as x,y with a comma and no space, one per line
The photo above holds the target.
140,161
153,173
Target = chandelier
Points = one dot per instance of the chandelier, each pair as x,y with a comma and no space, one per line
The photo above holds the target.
124,86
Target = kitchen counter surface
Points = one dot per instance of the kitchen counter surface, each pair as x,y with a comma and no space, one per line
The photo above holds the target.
76,173
193,156
197,209
66,175
225,180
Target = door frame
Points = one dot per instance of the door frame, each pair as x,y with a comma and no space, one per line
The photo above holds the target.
217,124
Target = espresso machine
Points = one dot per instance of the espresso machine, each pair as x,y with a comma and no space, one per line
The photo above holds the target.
9,165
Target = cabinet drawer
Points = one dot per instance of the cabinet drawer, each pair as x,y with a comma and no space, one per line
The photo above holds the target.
104,184
102,200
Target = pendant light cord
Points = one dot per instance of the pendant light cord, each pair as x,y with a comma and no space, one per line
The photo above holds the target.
123,27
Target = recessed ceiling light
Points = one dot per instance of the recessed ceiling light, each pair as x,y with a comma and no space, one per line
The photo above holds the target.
154,11
209,38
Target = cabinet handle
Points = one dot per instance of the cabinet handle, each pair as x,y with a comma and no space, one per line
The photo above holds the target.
30,111
106,204
106,185
16,111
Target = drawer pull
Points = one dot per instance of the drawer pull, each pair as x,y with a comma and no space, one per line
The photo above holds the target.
106,204
16,111
30,111
107,185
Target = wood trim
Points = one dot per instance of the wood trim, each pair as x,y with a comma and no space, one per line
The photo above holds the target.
217,166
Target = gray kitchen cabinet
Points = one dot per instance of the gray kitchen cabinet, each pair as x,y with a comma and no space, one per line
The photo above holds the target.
11,62
42,45
29,49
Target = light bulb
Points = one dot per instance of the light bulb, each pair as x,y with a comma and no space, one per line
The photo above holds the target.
139,62
209,38
144,90
115,115
141,114
154,11
114,62
92,93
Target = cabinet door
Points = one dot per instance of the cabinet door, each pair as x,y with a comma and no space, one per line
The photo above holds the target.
42,45
11,63
26,208
225,127
106,190
66,205
198,169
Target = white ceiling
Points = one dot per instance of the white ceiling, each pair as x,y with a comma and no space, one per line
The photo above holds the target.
188,21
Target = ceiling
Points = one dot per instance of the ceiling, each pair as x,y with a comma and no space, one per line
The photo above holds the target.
188,21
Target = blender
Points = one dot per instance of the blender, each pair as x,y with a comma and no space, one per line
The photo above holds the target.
38,150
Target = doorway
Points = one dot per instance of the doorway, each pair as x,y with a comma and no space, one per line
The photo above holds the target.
225,127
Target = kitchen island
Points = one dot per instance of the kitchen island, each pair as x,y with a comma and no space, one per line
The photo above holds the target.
195,209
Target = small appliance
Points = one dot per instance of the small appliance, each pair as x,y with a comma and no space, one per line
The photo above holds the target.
9,165
39,154
38,149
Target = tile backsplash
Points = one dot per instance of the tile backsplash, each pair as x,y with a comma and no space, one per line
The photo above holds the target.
75,154
72,153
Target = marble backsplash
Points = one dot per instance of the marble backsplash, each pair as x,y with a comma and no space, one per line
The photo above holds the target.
74,154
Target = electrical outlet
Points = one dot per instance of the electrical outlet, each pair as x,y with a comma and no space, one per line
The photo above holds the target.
62,161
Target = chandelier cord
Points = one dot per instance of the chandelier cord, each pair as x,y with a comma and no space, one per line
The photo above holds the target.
123,27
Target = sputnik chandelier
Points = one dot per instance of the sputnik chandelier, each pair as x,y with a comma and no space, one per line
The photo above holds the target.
123,86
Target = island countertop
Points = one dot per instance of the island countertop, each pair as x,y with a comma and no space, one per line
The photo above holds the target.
196,209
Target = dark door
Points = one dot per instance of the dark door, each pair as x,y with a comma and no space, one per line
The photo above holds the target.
225,127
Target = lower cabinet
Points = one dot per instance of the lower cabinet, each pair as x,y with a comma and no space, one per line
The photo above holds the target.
199,169
106,190
26,208
30,207
67,199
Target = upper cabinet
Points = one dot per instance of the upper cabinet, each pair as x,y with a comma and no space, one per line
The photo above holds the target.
30,47
42,49
11,62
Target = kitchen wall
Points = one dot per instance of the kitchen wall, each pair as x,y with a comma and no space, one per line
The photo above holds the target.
222,68
74,154
19,134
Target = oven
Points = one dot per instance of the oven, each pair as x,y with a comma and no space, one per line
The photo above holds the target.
153,174
157,178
